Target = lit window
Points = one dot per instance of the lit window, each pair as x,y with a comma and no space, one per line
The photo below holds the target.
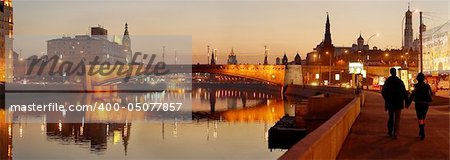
337,77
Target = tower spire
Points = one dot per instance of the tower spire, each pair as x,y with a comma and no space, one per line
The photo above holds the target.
408,30
327,31
266,61
213,57
408,5
126,43
126,29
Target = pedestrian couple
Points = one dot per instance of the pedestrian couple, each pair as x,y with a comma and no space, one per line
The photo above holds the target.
396,98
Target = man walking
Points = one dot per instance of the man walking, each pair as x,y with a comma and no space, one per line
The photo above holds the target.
394,94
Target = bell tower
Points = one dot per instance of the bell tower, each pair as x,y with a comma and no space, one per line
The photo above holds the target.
408,35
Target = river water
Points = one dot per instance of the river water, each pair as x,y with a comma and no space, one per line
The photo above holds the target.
226,123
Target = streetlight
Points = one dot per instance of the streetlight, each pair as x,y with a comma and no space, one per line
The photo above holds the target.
314,59
407,55
329,71
386,55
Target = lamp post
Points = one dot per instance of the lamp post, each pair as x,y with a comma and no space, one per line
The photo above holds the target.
407,55
420,39
387,55
329,69
320,70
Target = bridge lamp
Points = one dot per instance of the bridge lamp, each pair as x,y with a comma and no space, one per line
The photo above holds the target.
273,76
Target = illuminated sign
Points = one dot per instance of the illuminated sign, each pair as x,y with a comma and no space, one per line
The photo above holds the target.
364,73
355,67
404,77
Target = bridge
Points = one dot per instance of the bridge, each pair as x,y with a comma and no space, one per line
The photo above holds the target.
274,74
278,75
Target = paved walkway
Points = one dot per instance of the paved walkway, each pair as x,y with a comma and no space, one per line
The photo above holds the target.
368,138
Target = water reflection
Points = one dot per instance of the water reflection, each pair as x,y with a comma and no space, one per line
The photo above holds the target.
5,137
230,123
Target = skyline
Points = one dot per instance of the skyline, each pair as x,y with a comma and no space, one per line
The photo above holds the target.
248,26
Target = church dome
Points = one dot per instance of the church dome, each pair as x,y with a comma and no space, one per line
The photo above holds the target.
360,38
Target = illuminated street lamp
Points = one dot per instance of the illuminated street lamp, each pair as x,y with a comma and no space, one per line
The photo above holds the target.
314,58
407,55
329,71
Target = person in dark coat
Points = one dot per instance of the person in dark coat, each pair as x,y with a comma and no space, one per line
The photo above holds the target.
421,95
394,94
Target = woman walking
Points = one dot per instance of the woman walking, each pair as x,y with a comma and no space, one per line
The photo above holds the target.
421,95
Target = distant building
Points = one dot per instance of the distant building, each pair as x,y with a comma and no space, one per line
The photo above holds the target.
326,48
360,46
6,42
324,51
338,51
232,57
99,32
86,48
377,57
285,59
297,60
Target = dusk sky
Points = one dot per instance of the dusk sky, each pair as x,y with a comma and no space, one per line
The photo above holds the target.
287,26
